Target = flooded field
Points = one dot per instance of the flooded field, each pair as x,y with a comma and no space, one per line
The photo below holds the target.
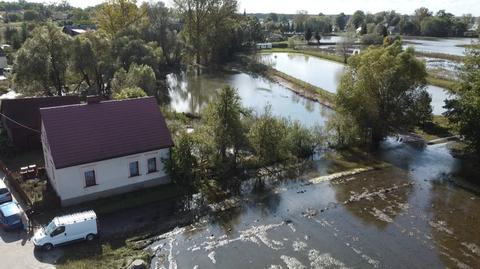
327,74
439,45
411,215
190,92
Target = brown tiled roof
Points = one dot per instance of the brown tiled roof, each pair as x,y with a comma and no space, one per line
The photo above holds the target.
81,134
26,110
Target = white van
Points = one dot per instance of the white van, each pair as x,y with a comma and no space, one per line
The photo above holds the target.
67,229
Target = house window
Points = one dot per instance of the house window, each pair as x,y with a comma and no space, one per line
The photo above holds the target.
90,178
152,165
134,172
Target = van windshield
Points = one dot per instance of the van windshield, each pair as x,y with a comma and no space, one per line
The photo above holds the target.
50,228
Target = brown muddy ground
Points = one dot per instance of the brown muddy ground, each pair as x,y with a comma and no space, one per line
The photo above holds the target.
415,214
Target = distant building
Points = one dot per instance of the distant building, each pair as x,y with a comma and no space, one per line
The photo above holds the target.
264,46
20,117
101,149
73,30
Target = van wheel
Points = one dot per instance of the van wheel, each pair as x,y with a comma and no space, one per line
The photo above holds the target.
47,247
90,237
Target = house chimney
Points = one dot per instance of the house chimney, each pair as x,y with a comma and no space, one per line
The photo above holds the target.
93,99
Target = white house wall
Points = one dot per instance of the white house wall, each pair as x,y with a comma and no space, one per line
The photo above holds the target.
49,167
112,177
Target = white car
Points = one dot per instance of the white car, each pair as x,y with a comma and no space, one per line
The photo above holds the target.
5,195
67,229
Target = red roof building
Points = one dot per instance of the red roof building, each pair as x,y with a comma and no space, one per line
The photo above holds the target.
102,148
21,118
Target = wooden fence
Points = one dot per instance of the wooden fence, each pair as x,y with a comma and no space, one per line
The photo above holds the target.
15,184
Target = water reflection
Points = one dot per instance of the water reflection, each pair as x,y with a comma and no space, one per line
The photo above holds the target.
318,72
190,92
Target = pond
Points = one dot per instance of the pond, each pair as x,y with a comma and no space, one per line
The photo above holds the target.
327,74
190,92
407,216
439,45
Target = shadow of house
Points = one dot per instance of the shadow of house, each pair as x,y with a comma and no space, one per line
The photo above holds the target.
21,118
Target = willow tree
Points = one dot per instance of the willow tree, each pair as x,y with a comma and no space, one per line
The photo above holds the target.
93,62
464,110
207,25
114,16
41,63
383,91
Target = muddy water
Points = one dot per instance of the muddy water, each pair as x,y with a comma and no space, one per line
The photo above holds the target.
407,216
190,92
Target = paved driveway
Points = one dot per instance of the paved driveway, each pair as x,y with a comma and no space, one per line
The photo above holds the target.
17,250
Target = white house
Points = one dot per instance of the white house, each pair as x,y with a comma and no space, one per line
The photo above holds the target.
100,149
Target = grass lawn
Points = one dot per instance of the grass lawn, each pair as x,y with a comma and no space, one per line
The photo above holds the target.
439,128
115,203
441,82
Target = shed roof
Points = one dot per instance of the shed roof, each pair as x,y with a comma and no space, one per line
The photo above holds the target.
87,133
26,110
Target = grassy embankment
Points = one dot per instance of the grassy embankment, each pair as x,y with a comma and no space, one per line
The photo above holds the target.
470,46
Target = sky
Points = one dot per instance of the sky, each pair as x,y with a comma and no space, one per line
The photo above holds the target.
457,7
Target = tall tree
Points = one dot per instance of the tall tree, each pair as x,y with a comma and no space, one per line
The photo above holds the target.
92,59
383,90
357,19
341,21
308,35
161,28
40,66
464,109
317,36
223,116
206,24
114,16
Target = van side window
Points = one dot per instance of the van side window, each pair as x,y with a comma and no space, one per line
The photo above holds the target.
58,231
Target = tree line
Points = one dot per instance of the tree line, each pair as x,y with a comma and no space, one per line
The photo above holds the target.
422,22
151,39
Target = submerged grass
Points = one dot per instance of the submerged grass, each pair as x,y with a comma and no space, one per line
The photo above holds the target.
323,96
441,82
455,58
102,254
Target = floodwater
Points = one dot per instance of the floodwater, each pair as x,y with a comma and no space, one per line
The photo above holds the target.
327,74
410,215
318,72
439,45
190,92
439,95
